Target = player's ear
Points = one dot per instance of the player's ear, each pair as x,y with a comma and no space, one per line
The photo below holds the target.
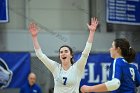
119,50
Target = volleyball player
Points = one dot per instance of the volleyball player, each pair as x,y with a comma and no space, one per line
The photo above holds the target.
124,76
67,75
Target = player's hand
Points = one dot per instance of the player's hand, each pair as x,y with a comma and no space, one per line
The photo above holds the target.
93,25
84,89
33,29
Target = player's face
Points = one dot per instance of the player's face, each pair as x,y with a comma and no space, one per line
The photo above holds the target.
65,55
32,79
113,50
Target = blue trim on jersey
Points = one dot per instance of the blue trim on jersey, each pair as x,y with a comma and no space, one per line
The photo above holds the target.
126,73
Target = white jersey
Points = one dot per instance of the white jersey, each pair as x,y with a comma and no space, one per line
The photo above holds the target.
66,81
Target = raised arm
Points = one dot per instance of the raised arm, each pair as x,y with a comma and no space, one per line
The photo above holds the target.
50,64
83,59
33,29
92,28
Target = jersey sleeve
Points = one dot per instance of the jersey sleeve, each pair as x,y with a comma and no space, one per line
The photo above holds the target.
112,84
50,64
83,59
137,77
117,70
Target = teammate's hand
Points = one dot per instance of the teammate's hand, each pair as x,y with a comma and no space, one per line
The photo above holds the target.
33,29
84,89
93,25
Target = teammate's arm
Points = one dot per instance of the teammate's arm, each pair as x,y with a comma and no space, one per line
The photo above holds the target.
108,86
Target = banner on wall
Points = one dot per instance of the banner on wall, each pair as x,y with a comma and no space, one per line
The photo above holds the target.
14,69
4,16
97,67
123,11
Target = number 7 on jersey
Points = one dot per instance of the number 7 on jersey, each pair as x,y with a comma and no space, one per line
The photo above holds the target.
65,80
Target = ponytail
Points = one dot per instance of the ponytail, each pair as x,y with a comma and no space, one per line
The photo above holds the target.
131,55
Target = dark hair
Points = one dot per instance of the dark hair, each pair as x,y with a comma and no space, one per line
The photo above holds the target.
71,52
126,50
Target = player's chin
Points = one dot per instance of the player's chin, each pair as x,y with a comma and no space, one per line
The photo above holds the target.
111,55
62,60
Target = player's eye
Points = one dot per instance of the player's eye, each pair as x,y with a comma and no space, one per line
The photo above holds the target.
61,52
66,51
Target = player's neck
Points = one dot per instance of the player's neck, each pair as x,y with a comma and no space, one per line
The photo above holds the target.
66,66
118,56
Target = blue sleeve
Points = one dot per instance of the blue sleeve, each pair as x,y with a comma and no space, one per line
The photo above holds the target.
137,77
117,71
